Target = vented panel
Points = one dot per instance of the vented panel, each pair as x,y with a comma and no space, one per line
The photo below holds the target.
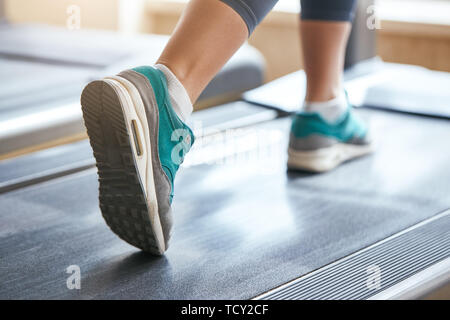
395,258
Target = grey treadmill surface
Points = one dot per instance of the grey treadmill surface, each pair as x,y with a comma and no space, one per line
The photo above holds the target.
50,163
243,225
372,83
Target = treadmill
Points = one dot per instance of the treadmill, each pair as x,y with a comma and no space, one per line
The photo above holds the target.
43,70
245,228
368,81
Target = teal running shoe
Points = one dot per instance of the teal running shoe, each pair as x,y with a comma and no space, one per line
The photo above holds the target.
318,146
139,143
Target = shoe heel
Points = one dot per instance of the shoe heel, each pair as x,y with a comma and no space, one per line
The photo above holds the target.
122,198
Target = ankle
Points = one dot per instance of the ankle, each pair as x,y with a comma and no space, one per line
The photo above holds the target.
183,75
179,97
316,92
331,110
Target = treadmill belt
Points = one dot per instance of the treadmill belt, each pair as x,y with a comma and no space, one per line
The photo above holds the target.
50,163
243,225
372,84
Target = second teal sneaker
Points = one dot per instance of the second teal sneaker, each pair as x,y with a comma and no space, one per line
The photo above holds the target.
139,143
318,146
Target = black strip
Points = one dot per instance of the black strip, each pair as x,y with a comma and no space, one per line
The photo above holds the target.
40,177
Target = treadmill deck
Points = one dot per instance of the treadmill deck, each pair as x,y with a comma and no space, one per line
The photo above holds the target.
243,225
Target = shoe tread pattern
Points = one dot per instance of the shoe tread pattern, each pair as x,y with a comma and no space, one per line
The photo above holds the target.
121,195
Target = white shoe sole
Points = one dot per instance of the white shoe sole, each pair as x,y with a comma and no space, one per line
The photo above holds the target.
326,159
117,126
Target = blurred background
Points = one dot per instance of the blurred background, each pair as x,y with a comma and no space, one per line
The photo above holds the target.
49,49
412,31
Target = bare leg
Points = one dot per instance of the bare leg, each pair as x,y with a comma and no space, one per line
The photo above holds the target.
326,132
323,44
207,35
